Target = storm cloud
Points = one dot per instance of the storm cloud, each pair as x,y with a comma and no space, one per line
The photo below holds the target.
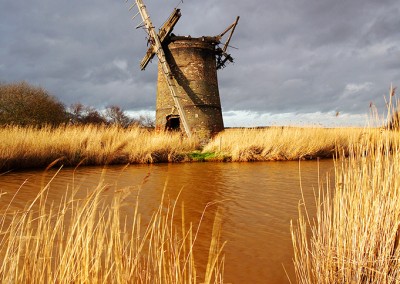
305,58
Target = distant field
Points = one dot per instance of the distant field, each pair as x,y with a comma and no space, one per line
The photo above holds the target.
22,148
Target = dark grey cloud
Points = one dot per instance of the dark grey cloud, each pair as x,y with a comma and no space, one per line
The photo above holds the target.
293,56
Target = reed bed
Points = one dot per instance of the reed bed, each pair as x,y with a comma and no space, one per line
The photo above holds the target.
29,147
87,240
282,143
355,235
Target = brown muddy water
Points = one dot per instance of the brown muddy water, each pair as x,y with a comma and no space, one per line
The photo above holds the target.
257,200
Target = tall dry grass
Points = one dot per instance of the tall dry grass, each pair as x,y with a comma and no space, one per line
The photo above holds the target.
355,235
282,143
28,147
89,241
25,147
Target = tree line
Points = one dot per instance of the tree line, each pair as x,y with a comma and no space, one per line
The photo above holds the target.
27,105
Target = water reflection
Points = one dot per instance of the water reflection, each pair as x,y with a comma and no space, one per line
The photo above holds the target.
258,200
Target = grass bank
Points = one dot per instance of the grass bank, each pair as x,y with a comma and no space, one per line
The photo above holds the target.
355,236
27,147
88,240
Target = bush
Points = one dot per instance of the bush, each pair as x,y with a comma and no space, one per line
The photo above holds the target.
24,104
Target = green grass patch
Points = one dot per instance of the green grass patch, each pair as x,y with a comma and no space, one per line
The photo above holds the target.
202,157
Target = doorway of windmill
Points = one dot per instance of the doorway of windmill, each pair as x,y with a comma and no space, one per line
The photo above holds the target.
173,123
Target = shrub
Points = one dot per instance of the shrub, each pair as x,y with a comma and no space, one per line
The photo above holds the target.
24,104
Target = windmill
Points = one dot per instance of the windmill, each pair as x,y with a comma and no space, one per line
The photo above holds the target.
187,89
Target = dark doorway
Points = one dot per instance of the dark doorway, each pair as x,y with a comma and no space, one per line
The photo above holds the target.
173,123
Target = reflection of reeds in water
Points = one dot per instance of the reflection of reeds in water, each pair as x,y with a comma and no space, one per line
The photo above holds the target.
88,241
355,235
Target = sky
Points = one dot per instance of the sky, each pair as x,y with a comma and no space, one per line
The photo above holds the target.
297,62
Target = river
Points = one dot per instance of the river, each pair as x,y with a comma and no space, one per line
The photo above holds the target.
258,201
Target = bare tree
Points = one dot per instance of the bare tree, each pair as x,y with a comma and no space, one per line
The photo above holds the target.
147,121
117,116
81,114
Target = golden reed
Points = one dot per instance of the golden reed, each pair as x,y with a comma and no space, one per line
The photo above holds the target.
28,147
88,240
355,235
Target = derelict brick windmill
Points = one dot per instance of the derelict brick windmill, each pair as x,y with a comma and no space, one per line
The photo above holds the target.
187,90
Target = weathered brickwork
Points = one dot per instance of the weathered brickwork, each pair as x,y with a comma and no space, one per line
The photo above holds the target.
193,64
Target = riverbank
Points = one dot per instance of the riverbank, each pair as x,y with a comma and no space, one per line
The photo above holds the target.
23,148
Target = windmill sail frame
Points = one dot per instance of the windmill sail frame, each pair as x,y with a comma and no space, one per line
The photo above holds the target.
158,50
